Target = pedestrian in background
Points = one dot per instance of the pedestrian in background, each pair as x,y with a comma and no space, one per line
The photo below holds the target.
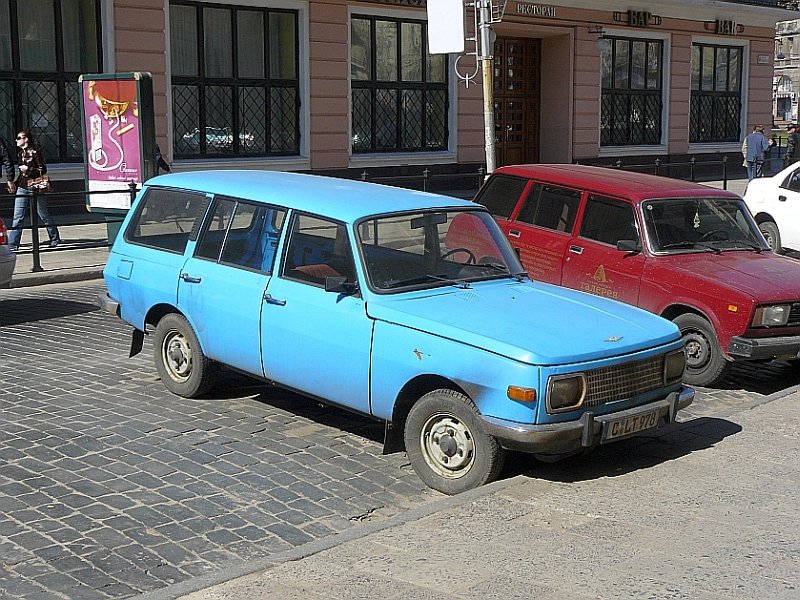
161,164
792,144
8,167
31,165
755,146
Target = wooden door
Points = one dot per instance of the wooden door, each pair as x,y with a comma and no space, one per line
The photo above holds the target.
517,66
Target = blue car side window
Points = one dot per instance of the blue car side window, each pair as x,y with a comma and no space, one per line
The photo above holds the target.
317,249
241,234
166,218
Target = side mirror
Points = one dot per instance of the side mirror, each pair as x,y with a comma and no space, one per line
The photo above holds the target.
340,285
628,246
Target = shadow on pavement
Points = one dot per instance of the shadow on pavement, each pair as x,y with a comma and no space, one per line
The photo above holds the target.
761,377
15,311
634,454
235,385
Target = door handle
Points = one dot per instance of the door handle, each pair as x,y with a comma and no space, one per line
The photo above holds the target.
576,249
270,300
513,233
189,279
782,198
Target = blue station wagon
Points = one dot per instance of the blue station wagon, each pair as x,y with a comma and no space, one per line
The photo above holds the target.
406,306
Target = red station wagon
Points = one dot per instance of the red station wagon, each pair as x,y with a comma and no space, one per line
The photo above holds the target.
688,252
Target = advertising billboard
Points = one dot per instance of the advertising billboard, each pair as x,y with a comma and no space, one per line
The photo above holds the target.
119,136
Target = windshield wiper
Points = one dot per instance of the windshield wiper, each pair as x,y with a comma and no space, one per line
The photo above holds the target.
395,283
747,246
502,269
683,244
493,266
689,244
714,249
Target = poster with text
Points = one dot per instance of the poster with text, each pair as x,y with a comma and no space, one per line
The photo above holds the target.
113,140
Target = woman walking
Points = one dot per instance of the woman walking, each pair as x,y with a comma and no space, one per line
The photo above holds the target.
31,165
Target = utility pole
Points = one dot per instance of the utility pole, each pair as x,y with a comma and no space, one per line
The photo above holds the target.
485,57
446,33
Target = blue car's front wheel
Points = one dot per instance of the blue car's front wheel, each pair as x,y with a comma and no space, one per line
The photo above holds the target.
446,445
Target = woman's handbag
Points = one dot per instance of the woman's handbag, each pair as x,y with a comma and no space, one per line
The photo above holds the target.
40,185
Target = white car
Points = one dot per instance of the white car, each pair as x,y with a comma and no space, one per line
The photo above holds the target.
7,258
775,204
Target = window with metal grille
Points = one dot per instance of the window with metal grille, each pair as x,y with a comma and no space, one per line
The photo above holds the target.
632,97
44,46
716,103
235,83
399,91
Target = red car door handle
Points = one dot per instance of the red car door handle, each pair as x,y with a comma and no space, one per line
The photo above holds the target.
576,249
513,233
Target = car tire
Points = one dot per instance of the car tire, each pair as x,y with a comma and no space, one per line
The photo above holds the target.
773,236
183,367
446,445
705,364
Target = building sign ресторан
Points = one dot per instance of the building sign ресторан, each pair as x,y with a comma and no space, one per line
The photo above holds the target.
536,10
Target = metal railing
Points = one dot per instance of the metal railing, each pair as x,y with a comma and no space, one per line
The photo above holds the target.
427,179
764,168
657,166
35,221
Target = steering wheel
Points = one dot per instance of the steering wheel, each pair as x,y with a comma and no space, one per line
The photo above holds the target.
719,234
471,260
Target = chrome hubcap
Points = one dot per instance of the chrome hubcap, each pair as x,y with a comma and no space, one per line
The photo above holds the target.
447,445
177,356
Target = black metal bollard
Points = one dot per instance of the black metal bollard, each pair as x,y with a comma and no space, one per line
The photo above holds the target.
33,206
692,169
725,172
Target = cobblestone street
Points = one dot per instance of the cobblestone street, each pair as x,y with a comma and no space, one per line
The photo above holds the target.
110,486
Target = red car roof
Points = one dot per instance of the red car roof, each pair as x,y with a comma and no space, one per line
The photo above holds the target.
615,182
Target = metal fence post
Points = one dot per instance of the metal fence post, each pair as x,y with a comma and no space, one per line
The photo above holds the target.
132,190
363,175
481,179
33,205
692,164
425,174
658,165
725,172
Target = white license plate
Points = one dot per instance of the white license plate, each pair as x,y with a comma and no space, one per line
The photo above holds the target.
620,428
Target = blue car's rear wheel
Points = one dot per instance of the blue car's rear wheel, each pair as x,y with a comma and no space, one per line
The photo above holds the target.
446,445
180,361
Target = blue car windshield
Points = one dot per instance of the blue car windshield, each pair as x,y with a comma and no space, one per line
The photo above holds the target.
434,248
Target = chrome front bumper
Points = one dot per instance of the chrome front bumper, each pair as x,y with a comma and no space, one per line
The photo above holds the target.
567,438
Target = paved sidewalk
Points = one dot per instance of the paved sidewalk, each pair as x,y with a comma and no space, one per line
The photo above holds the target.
703,510
85,250
81,256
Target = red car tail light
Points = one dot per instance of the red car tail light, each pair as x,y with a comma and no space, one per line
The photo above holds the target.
3,233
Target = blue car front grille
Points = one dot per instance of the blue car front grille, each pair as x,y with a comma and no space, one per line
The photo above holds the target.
622,381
